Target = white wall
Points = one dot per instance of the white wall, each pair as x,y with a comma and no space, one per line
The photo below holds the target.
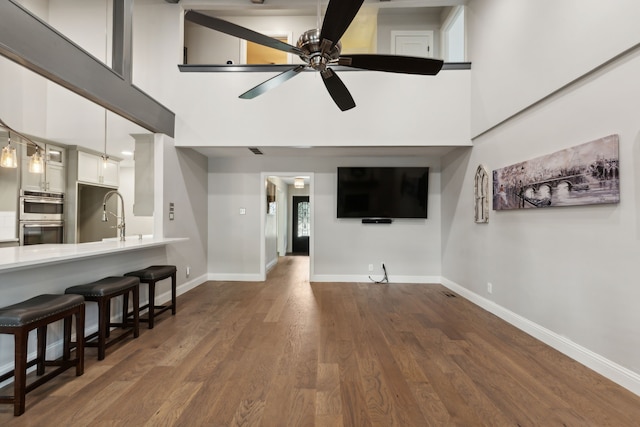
157,49
392,109
425,20
207,46
566,275
341,249
234,240
523,50
135,224
183,173
23,101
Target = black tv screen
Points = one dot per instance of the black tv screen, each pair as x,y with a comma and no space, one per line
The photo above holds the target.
382,192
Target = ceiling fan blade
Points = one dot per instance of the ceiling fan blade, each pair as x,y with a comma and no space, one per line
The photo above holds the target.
238,31
393,63
272,83
338,17
337,90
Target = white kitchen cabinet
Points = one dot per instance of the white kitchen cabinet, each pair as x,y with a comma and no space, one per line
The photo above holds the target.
54,176
93,170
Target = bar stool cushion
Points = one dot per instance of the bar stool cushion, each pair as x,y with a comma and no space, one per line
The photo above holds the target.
37,308
155,272
103,287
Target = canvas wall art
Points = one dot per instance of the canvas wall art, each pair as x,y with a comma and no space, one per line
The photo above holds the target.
582,175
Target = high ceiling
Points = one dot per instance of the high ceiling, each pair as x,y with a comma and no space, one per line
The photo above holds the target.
335,151
296,7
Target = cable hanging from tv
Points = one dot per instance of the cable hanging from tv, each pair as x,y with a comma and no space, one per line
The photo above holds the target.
384,279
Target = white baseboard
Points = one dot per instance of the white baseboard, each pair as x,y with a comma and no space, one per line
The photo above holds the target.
376,277
181,289
605,367
231,277
272,264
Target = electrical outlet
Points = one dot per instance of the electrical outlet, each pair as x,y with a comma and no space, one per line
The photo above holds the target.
188,270
489,287
370,267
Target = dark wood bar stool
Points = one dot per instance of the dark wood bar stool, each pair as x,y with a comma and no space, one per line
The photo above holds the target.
36,313
152,275
102,292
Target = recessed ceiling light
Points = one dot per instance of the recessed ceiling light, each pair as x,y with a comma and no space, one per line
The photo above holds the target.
127,153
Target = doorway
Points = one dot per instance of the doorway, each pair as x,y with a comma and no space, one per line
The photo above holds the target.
301,225
278,240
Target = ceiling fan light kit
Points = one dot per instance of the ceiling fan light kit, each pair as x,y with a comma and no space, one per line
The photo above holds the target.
321,48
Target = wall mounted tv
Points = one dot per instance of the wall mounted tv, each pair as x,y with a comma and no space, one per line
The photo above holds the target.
382,192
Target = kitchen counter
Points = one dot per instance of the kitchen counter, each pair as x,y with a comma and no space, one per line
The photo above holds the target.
20,257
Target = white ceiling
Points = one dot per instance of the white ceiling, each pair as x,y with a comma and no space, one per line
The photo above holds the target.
336,151
298,7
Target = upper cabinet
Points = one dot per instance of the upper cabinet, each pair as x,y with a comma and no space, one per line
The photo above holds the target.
54,175
93,170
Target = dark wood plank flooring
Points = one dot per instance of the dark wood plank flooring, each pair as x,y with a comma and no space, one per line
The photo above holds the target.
290,353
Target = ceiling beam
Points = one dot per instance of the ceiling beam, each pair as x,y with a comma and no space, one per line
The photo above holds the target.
121,59
35,45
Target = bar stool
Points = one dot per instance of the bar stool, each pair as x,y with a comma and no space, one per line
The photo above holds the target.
102,292
36,313
152,275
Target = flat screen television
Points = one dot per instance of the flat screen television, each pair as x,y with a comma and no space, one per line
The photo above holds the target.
382,192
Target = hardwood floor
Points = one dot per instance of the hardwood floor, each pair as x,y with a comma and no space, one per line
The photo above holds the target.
290,353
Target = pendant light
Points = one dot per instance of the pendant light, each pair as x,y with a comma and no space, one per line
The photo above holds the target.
105,157
298,182
36,165
9,157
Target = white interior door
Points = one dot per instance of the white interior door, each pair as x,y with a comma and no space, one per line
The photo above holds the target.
412,43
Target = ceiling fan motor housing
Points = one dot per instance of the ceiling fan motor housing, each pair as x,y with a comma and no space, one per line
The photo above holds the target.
317,53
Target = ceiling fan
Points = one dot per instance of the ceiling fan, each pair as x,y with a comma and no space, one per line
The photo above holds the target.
320,48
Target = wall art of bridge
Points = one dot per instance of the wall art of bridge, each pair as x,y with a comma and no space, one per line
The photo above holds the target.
580,175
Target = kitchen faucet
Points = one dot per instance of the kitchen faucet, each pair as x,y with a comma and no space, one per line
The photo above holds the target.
120,226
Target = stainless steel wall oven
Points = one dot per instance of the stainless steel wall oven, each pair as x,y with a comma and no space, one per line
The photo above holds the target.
41,217
41,206
37,233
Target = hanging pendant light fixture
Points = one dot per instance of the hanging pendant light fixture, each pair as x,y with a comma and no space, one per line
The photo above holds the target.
298,182
9,157
36,165
105,157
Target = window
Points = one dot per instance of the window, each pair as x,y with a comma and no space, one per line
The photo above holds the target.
304,223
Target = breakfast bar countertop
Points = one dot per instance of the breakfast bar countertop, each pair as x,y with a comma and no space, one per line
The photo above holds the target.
20,257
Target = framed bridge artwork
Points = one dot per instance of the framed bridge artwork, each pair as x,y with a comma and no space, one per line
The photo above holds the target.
586,174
